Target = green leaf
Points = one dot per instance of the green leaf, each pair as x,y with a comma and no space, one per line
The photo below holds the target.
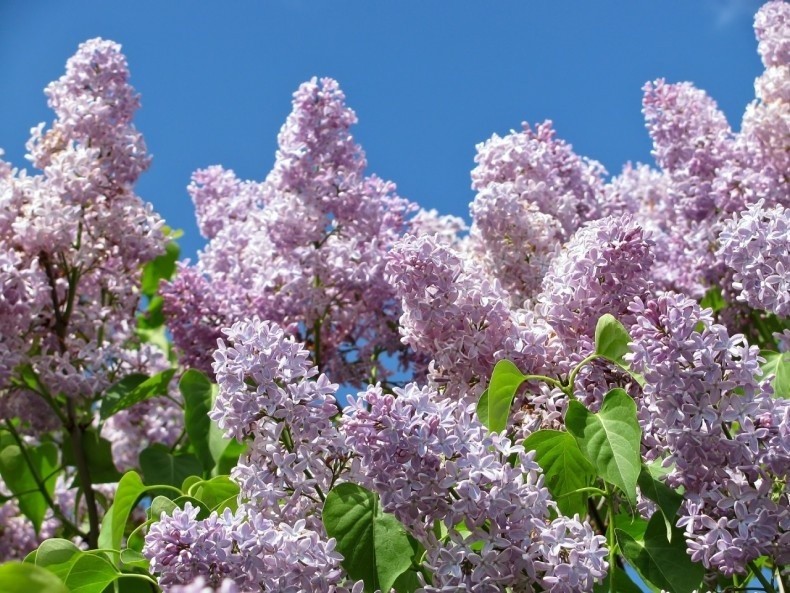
133,389
611,343
713,299
565,467
130,489
505,381
611,339
98,453
23,577
90,573
214,491
668,500
376,548
635,526
160,268
407,582
189,482
159,505
660,562
610,439
20,480
160,466
482,409
57,556
133,558
778,365
198,394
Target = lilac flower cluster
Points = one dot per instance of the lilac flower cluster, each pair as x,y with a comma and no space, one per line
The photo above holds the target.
756,245
706,415
304,248
431,462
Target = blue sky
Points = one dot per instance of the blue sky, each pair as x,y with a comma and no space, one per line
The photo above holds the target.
428,79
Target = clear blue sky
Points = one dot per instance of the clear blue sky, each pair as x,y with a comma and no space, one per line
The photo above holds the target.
428,78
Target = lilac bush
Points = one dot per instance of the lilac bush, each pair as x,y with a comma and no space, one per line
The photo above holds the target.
587,389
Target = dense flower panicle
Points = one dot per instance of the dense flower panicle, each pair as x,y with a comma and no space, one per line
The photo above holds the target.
200,585
514,241
756,245
542,169
430,461
450,312
17,536
772,26
306,247
600,270
220,197
446,228
698,381
269,390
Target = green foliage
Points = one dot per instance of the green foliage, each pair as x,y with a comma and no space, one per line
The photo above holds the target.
160,268
565,467
663,563
610,439
375,546
130,489
98,454
24,577
493,408
668,500
198,394
160,466
23,469
778,365
133,389
611,343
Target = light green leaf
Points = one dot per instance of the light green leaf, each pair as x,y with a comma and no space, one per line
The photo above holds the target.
611,343
130,489
20,480
160,268
662,563
565,467
778,365
376,548
610,439
214,491
505,381
90,573
24,577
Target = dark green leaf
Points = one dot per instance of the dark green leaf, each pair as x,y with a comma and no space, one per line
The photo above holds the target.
565,467
407,582
133,389
660,562
160,466
610,439
197,391
505,381
98,453
633,526
20,480
23,577
374,545
778,365
668,500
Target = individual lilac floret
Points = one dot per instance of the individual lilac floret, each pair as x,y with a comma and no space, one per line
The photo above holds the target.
756,245
544,170
201,586
600,270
